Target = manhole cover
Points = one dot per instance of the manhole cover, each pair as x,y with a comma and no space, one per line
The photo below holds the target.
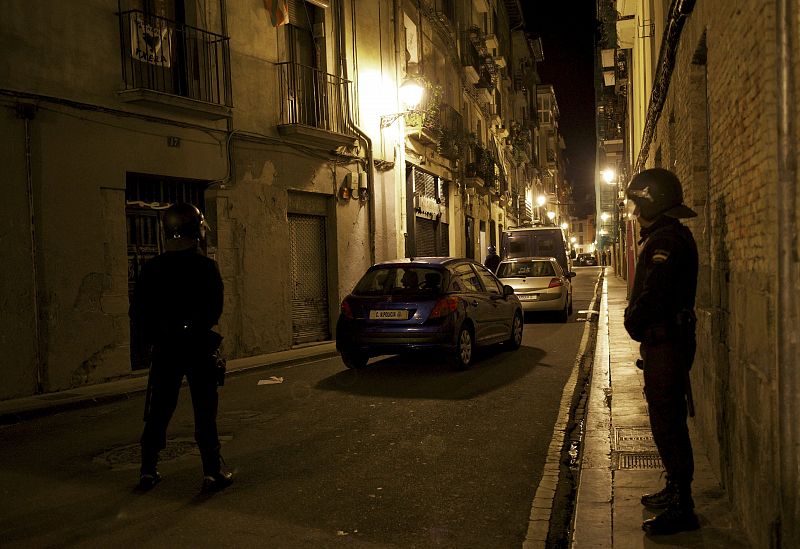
637,460
633,439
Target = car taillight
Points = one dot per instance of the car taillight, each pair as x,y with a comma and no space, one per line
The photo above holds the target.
444,307
346,310
555,283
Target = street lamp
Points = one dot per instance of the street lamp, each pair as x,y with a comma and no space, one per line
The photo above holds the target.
411,94
609,176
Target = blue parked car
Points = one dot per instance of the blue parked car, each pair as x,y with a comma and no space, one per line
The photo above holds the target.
430,303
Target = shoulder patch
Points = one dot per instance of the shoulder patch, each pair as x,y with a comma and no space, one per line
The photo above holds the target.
660,255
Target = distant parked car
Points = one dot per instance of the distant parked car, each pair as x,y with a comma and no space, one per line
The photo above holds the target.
540,284
586,260
436,303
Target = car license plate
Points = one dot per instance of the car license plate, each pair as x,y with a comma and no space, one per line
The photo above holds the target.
529,297
390,314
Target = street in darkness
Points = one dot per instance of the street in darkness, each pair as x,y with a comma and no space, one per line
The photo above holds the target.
405,453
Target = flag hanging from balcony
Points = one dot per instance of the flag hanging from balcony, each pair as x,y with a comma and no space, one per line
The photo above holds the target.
278,11
151,43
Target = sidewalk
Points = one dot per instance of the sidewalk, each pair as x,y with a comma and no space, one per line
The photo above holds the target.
14,410
620,461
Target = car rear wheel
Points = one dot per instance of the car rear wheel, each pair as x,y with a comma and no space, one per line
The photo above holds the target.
354,360
462,359
563,315
515,340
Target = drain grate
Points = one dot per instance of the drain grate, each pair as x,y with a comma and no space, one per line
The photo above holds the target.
637,460
633,439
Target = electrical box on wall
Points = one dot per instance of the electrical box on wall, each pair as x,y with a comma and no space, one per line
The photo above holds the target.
352,182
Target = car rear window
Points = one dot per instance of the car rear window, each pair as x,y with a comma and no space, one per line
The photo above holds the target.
513,269
399,280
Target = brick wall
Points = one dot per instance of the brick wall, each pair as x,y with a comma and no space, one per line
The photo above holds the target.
718,132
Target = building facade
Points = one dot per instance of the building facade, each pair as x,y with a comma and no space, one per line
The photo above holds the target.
711,95
286,126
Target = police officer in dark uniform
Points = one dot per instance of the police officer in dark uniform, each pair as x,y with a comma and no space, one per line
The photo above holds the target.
660,315
176,303
492,260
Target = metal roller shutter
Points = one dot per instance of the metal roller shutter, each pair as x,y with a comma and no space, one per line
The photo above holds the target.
309,278
426,237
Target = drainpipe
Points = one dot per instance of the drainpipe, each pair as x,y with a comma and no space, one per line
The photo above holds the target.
678,12
787,355
352,125
27,112
406,221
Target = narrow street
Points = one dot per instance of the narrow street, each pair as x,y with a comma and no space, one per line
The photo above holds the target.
406,453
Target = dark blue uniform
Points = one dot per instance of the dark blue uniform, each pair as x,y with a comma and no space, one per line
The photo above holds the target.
178,299
660,315
492,262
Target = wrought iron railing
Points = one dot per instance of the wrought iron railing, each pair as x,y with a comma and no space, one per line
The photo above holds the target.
470,55
451,140
313,98
482,164
170,57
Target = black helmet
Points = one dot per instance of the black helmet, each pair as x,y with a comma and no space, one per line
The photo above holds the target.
491,249
183,221
658,192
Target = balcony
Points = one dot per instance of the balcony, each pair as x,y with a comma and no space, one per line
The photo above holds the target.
174,66
314,107
481,170
472,62
450,145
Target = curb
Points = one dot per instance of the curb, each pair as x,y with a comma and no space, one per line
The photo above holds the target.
32,407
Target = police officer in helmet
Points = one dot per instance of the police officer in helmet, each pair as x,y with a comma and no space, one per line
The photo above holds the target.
660,315
492,260
176,303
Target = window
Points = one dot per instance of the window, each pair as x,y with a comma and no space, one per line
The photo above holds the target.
489,281
465,279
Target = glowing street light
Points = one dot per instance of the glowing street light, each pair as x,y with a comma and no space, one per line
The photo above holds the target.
604,216
411,93
565,225
609,175
541,200
551,215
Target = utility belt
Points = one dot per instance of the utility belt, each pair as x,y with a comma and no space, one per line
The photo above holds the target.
682,327
202,345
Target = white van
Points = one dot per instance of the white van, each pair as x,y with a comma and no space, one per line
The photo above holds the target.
536,242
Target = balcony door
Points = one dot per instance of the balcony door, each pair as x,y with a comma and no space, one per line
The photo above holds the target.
172,50
308,82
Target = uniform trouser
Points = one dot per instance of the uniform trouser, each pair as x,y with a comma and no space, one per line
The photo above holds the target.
665,367
166,375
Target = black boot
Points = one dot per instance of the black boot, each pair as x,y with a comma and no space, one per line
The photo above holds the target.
678,517
216,482
148,474
663,498
215,478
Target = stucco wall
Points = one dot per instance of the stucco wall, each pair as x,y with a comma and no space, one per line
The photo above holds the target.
17,341
79,164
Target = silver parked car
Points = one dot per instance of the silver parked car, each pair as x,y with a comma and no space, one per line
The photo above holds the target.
540,284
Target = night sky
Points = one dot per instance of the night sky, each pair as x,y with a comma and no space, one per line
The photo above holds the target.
567,29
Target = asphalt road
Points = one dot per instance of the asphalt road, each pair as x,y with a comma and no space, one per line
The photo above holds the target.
405,453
